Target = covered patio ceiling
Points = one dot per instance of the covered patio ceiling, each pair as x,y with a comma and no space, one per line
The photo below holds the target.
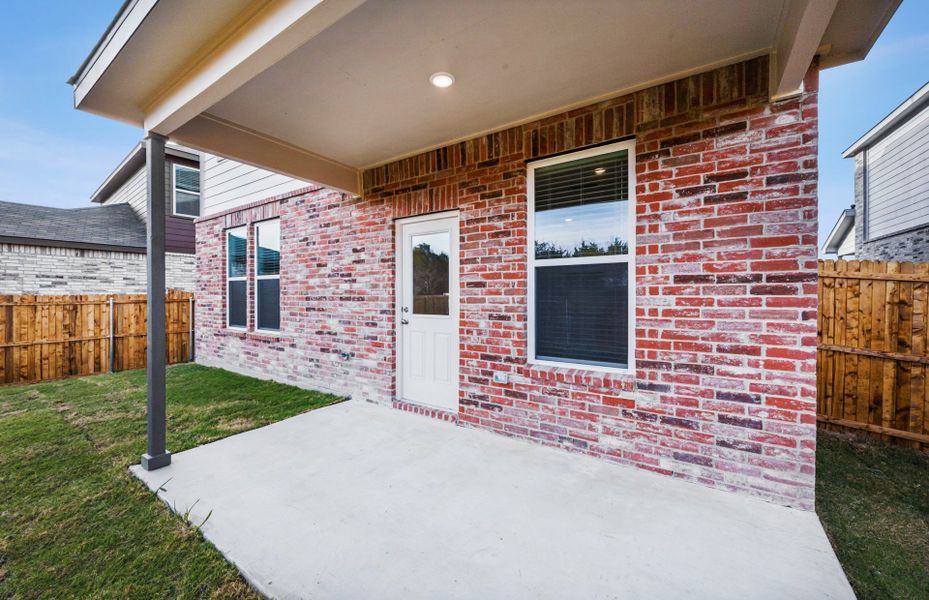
322,89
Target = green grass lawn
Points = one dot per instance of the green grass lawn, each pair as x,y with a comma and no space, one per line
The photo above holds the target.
74,523
873,500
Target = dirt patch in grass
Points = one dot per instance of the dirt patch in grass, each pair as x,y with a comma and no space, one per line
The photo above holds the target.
237,424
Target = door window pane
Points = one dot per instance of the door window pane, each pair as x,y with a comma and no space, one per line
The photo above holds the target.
582,313
430,273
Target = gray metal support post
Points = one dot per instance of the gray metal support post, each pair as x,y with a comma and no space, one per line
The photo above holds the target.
157,455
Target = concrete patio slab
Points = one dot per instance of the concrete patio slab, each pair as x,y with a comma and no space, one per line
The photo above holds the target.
359,501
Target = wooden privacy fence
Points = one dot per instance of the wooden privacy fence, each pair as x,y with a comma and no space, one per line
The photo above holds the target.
872,358
51,337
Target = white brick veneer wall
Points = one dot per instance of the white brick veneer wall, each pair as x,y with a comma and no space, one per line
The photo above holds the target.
47,271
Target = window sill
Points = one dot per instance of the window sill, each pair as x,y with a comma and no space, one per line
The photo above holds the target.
253,334
614,378
267,336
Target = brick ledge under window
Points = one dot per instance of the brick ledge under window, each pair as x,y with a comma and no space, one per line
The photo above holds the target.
624,381
261,336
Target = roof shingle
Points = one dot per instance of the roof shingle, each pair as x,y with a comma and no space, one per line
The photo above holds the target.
112,225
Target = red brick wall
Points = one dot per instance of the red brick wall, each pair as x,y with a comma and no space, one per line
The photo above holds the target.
724,390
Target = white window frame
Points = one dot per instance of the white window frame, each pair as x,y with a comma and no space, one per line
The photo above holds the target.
174,168
230,279
258,277
629,258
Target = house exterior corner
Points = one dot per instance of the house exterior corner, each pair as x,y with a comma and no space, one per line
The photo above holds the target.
721,385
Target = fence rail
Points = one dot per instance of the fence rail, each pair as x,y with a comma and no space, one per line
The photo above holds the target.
52,337
872,359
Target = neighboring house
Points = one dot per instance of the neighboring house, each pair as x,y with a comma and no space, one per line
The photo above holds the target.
892,184
101,250
841,240
92,251
127,185
49,251
602,237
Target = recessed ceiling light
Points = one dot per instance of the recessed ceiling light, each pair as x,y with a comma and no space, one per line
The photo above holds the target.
599,171
441,79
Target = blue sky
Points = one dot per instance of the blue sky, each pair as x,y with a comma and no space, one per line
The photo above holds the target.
54,155
854,97
50,153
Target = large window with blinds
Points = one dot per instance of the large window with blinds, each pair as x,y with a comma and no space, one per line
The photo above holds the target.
581,225
186,191
268,275
237,277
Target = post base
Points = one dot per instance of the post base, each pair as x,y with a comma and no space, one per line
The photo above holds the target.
151,463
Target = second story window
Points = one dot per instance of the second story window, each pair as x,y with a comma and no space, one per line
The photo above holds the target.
186,191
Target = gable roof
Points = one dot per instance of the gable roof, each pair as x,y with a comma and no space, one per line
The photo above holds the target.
907,109
114,227
842,227
131,164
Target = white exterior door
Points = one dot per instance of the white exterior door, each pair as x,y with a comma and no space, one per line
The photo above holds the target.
427,307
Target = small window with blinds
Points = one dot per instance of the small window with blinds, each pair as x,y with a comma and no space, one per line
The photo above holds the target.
237,277
581,296
186,191
268,275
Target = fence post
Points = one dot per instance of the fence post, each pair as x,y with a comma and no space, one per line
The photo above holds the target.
112,339
190,333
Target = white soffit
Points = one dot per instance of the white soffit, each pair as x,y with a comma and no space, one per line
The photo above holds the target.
359,91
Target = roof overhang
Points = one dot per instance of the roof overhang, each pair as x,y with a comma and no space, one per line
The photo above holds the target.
912,105
841,228
322,89
131,164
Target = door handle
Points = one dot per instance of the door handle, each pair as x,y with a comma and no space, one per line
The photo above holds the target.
404,322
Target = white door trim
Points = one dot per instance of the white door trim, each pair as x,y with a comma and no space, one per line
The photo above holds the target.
455,313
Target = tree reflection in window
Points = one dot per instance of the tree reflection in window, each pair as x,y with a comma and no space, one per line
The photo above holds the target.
585,248
430,274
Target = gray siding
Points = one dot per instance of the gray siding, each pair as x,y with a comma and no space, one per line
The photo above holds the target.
910,245
897,179
133,193
228,184
179,231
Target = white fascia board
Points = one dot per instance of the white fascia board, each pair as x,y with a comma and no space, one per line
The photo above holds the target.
909,107
109,47
839,230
